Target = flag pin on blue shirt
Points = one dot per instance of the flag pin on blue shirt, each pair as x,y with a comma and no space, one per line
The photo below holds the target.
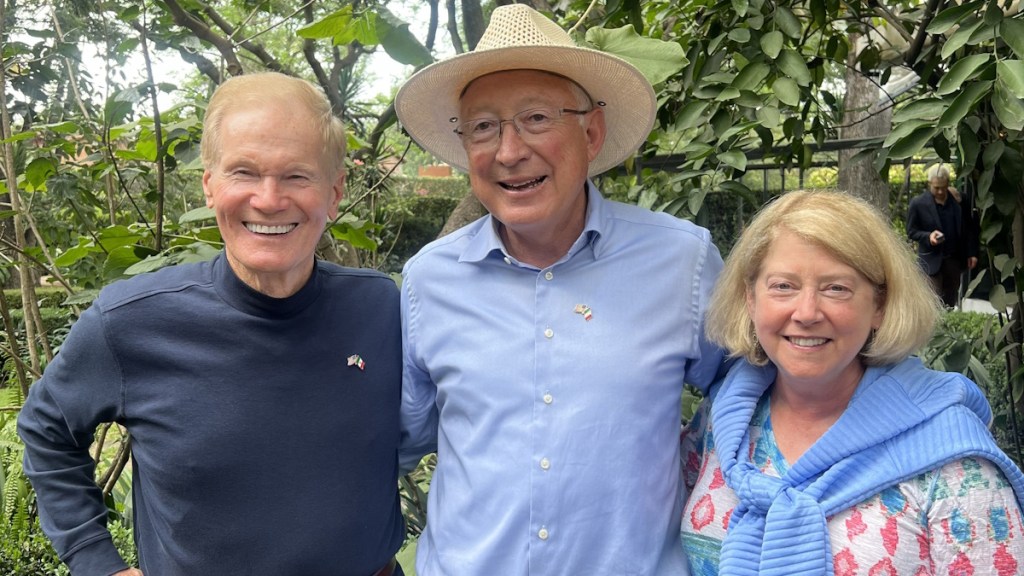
585,311
357,361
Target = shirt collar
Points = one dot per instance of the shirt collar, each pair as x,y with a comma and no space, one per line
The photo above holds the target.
486,241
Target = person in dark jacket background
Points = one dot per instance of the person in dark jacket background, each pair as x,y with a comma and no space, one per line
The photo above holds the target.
943,222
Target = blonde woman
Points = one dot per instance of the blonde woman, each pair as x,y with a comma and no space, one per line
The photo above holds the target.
828,449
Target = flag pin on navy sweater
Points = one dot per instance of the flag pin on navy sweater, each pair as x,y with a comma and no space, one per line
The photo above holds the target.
357,361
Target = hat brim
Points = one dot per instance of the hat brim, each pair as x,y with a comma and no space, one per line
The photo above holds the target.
428,100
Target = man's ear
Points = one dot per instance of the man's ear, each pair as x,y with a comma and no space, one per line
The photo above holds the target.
595,131
206,189
337,193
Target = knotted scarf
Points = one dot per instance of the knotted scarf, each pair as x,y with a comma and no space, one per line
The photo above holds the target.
903,420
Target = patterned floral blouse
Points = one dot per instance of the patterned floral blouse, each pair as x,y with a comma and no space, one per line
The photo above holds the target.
961,519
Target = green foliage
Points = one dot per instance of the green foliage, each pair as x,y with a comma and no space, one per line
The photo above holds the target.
969,343
414,220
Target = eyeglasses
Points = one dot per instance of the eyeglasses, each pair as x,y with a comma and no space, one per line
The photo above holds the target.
532,122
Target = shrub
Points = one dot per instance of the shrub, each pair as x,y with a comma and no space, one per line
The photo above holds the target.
415,221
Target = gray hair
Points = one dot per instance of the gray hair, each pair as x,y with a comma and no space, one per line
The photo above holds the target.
938,172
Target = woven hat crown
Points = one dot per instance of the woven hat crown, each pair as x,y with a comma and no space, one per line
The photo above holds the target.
518,25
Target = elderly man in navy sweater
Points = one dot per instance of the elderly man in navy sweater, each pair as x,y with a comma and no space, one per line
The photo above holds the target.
261,389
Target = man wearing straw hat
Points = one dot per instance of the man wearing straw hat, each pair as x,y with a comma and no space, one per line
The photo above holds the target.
546,344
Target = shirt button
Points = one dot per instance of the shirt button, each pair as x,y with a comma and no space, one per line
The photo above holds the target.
545,463
548,275
549,333
508,260
548,398
542,534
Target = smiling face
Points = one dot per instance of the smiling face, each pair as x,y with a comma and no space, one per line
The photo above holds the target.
812,315
272,193
535,186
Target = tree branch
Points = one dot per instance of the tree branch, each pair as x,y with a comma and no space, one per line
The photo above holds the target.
309,51
256,50
202,63
204,32
453,28
931,8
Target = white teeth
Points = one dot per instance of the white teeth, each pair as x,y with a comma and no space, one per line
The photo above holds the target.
261,229
808,341
523,185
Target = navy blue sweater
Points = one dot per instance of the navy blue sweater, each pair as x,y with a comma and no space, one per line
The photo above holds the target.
256,447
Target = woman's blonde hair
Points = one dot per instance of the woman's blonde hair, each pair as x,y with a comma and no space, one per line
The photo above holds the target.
855,233
247,90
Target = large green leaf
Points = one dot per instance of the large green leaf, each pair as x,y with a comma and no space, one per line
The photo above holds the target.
751,77
354,231
750,99
733,158
116,236
964,103
76,253
902,130
739,35
768,116
197,215
1011,74
967,144
329,26
1009,108
126,260
927,108
787,91
64,127
1013,35
963,70
951,16
656,59
119,106
787,22
20,136
38,170
794,66
738,129
993,13
399,42
912,144
727,93
691,115
959,38
993,152
819,14
719,78
771,44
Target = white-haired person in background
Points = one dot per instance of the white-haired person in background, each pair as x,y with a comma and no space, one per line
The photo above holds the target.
943,222
828,449
546,344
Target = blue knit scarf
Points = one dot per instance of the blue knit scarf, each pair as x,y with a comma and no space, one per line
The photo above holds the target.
903,420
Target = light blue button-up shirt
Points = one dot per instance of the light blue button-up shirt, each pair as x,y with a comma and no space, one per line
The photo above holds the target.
552,396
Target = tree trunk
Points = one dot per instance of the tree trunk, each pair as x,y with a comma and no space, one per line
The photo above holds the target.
863,118
468,210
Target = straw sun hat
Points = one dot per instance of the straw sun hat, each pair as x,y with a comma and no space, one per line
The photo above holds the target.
518,38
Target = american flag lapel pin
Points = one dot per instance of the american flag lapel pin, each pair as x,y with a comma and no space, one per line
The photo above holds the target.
357,361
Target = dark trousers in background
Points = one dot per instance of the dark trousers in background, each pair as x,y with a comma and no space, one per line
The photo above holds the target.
946,282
